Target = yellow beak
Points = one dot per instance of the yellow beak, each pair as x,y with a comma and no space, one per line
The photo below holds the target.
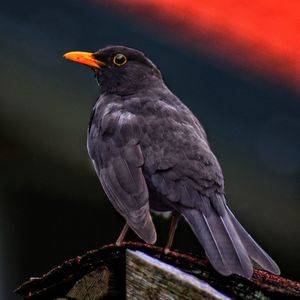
85,58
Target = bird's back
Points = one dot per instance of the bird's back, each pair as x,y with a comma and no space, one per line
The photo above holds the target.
175,147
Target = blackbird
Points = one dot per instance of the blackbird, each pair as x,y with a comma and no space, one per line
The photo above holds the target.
151,153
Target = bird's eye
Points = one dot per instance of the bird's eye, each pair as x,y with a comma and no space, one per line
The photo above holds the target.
120,59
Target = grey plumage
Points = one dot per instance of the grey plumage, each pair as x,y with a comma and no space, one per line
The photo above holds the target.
151,152
114,148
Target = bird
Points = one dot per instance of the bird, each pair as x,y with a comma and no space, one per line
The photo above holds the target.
151,154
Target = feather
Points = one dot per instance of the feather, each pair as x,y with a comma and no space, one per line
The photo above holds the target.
117,156
253,249
220,241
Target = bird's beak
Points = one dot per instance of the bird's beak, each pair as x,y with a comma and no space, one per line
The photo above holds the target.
85,58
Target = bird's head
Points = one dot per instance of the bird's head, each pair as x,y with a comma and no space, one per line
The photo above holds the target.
119,69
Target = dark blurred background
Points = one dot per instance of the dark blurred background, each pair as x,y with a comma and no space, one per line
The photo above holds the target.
52,206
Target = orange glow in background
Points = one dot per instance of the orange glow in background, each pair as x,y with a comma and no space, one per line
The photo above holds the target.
261,35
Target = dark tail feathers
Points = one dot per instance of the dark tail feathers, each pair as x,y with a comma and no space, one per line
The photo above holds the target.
254,250
228,246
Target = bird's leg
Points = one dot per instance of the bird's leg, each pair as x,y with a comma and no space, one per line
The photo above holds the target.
122,235
174,222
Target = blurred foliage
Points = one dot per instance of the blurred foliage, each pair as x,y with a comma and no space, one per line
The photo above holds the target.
52,206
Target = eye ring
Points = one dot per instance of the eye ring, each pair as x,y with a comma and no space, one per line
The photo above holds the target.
120,59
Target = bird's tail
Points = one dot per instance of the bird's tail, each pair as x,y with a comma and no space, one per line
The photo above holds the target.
228,246
254,250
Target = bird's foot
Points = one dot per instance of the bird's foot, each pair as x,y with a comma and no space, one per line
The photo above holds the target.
167,250
122,235
118,243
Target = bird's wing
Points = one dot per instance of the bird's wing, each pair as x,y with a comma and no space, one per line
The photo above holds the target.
226,243
191,179
113,145
208,218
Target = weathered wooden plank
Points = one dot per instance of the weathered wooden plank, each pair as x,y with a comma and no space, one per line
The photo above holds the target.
149,278
82,276
92,286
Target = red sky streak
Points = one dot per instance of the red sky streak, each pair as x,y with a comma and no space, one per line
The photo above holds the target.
263,35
